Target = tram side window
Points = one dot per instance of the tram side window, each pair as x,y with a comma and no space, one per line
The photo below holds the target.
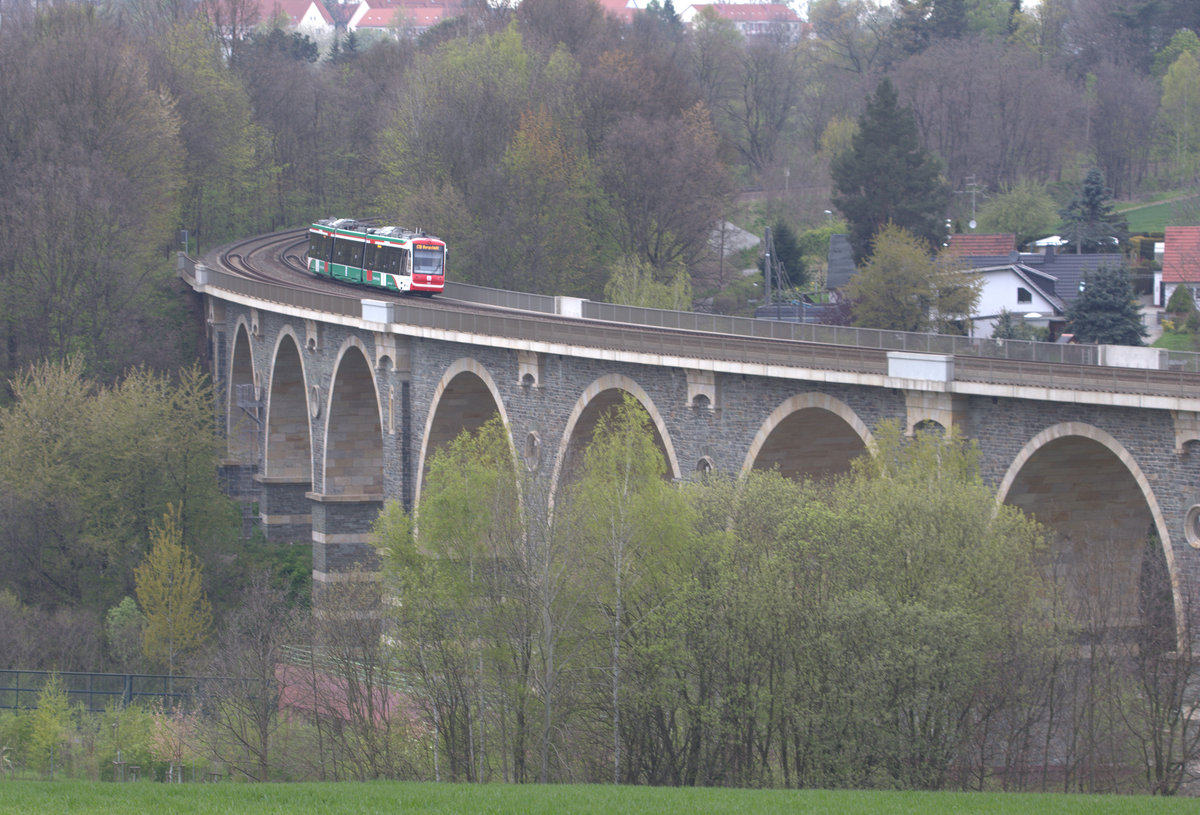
318,246
371,256
348,253
393,260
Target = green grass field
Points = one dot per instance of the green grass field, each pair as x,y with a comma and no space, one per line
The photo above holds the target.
27,797
1154,217
1175,342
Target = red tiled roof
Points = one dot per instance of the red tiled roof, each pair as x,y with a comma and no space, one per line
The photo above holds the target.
619,9
979,246
1181,255
754,12
294,9
417,16
379,17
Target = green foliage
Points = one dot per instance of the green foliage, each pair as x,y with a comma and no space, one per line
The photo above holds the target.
739,297
289,566
1181,301
1025,209
168,584
862,619
1179,116
123,627
468,612
1183,41
1090,220
921,23
16,738
88,469
535,799
630,526
901,288
1106,312
227,168
635,282
789,253
887,177
50,727
549,190
1010,327
103,160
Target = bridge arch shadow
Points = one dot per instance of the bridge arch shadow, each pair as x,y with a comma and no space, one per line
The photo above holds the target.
809,435
598,399
466,398
241,432
353,459
1083,484
288,452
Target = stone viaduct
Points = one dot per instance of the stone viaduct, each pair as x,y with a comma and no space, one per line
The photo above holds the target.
335,405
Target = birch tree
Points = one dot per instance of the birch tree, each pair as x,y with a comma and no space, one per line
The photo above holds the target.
626,521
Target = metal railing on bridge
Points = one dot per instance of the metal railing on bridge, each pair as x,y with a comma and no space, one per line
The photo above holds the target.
97,691
745,339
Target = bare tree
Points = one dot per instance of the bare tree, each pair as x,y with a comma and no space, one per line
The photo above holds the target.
353,685
990,112
242,699
668,184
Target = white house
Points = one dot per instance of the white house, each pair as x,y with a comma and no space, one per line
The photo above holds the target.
1180,263
753,19
1009,284
395,17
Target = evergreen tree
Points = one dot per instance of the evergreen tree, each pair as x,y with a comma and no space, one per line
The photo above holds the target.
789,257
922,23
1010,327
886,176
1106,311
1090,221
1181,301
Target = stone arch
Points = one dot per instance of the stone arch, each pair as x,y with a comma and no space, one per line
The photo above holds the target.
288,454
353,456
459,403
809,435
241,429
1080,481
599,396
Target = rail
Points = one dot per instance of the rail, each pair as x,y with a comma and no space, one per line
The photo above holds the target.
744,340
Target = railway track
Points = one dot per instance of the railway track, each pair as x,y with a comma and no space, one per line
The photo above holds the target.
278,260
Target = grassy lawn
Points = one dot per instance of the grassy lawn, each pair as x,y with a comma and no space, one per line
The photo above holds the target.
391,797
1154,217
1175,342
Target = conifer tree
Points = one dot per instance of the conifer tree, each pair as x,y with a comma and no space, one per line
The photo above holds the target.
1090,221
1106,311
886,176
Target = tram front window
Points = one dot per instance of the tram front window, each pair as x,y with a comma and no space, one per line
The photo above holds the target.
427,261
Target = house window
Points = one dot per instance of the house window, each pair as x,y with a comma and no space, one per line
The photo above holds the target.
1023,295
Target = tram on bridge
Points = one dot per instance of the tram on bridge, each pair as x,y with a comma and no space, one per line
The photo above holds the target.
386,257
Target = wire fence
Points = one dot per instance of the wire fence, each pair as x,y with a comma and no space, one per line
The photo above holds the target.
95,692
